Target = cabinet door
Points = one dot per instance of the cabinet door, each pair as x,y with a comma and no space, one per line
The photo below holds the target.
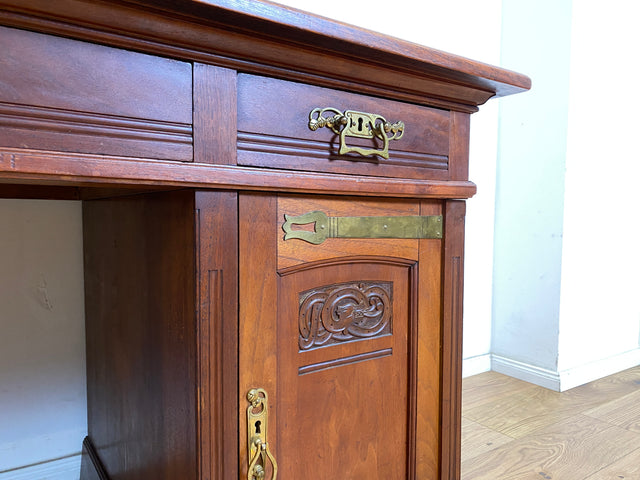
344,337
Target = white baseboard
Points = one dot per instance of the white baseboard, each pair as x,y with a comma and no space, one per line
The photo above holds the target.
569,378
589,372
475,365
524,371
62,469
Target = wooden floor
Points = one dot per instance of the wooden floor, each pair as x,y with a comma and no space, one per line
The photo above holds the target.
513,430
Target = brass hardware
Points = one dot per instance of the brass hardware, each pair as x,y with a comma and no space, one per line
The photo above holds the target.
361,227
358,125
257,446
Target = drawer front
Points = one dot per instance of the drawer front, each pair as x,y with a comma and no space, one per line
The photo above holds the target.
273,132
71,96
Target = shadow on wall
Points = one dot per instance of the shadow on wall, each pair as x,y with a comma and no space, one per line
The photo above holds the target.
42,350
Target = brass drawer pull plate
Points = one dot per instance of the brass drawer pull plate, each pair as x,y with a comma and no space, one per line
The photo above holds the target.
357,125
361,227
257,446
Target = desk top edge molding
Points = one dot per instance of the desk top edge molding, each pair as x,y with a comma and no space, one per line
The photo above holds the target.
210,29
73,169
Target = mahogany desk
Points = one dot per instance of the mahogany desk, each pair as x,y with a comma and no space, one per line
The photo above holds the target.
273,208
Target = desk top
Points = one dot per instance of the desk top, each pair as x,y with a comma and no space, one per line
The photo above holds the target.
146,93
271,38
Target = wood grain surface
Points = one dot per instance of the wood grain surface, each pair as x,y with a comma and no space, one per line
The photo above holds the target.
289,143
216,228
367,401
451,372
627,468
58,168
623,412
429,345
478,439
141,335
518,431
490,387
68,95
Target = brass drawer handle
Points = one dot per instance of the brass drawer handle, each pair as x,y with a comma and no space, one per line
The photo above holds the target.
357,125
257,446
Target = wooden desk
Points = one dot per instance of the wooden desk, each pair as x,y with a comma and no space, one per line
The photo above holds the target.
199,136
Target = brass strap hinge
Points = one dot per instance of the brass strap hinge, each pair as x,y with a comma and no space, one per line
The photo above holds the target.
361,227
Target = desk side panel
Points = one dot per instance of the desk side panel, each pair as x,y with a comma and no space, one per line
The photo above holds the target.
141,335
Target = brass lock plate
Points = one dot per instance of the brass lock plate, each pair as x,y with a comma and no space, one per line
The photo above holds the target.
355,124
257,427
360,124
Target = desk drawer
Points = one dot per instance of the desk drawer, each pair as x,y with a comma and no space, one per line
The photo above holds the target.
273,132
72,96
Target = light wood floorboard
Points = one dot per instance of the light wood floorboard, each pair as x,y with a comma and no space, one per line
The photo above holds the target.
479,439
512,430
628,468
623,412
488,387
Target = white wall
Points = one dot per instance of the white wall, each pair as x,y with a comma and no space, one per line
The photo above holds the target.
471,29
530,185
42,350
600,300
566,307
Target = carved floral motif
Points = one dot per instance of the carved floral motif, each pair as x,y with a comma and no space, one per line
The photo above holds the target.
343,312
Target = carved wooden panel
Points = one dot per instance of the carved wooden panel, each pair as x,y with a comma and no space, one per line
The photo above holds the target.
343,312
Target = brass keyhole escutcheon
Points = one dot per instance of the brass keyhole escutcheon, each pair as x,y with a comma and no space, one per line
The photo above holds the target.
257,446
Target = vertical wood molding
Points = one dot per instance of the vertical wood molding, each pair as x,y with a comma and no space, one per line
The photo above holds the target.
459,146
217,233
211,426
214,115
452,339
206,453
216,387
414,353
452,353
258,311
429,344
